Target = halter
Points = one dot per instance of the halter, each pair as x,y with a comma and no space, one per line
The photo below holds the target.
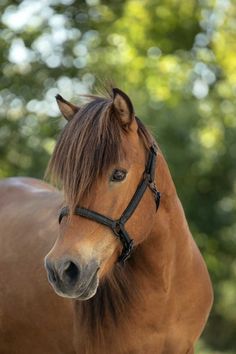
118,226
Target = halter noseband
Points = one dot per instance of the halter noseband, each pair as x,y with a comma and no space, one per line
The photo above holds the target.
118,226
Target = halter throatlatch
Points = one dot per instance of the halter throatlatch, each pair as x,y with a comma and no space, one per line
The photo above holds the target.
118,226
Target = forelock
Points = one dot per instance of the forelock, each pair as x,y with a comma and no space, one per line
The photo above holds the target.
88,145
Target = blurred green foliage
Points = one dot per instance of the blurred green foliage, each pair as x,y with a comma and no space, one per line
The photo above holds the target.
176,60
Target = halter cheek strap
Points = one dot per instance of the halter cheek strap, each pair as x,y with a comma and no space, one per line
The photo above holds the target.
118,226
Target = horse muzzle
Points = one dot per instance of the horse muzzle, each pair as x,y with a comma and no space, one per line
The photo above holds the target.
71,279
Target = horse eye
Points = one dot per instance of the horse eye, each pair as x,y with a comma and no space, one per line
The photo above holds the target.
118,175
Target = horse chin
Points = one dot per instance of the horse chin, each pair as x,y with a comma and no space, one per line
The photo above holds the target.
90,291
83,295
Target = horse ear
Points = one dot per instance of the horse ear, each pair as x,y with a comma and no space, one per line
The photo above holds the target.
67,109
123,106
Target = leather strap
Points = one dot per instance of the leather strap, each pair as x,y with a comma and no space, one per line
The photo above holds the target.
118,226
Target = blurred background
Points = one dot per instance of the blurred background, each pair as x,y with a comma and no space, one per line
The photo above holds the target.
177,61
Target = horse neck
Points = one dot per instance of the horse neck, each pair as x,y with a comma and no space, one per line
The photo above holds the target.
170,233
132,288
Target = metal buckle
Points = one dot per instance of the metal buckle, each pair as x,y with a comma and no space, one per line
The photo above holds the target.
116,228
157,194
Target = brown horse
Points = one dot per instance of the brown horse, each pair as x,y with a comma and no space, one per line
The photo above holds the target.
155,302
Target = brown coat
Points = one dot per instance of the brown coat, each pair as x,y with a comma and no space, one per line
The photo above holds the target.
158,303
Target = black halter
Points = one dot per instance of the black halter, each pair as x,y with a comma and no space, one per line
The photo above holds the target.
118,226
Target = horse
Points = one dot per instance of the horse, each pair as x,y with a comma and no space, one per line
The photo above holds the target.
129,275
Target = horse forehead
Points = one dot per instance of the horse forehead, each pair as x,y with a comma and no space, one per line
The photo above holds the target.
131,147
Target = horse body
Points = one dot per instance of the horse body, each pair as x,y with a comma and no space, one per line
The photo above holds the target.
32,318
157,303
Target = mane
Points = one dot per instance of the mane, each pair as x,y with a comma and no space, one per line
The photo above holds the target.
87,146
113,306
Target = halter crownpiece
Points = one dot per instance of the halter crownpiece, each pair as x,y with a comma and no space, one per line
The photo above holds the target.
118,226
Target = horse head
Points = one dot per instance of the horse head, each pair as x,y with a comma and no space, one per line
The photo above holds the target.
102,160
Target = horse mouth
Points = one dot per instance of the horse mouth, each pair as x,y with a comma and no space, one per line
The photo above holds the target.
90,289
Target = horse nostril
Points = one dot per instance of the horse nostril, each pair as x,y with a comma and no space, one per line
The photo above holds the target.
52,276
71,272
62,273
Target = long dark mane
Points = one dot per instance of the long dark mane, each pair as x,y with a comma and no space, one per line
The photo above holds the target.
88,145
